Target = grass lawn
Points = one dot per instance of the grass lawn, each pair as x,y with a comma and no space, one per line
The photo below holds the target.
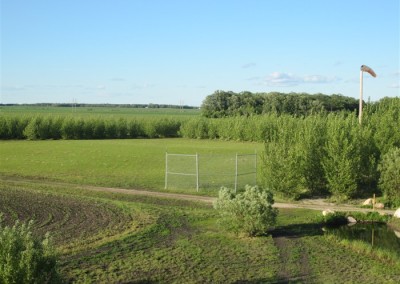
127,163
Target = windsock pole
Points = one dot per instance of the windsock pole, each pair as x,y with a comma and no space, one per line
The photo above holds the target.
364,68
361,98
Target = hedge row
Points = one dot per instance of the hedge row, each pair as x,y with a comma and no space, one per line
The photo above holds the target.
47,127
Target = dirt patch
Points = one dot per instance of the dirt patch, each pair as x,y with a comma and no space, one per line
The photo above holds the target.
66,217
283,275
294,266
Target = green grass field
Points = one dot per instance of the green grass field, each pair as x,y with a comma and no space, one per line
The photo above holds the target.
118,163
99,111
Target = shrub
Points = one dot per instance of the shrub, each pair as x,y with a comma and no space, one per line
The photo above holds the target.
390,176
25,259
249,212
195,129
369,217
135,129
333,219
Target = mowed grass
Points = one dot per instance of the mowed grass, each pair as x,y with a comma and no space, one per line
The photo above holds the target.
154,240
116,163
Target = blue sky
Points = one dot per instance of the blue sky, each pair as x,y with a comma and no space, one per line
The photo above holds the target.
173,52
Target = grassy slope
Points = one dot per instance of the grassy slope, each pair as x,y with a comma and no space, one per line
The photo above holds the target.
117,163
178,241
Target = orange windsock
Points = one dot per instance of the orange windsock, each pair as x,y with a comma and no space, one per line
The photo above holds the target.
367,69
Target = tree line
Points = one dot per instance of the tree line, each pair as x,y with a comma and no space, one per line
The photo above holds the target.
223,104
42,127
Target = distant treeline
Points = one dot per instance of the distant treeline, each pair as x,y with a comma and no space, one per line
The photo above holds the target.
223,104
105,105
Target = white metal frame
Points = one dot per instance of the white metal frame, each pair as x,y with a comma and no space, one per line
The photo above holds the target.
197,174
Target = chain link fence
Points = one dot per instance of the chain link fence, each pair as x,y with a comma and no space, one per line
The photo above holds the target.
210,171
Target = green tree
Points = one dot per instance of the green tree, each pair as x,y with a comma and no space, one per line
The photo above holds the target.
217,104
389,181
341,162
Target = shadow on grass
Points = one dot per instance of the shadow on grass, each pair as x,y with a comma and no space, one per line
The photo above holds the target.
297,231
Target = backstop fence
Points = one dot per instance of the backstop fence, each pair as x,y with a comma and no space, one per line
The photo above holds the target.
210,171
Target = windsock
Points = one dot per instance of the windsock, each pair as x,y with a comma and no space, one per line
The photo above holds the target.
367,69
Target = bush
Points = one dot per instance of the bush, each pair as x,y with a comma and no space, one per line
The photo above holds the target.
249,212
25,259
333,219
390,176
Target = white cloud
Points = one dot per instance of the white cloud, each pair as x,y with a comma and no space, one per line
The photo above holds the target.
280,79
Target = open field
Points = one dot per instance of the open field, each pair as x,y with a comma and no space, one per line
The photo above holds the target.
112,237
115,163
98,111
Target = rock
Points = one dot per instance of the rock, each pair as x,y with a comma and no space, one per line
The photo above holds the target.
368,202
351,220
397,233
327,211
379,206
397,213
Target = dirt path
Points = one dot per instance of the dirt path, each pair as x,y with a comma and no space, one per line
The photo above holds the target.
313,204
294,266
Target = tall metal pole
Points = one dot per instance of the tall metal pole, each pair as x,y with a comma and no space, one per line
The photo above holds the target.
364,68
361,98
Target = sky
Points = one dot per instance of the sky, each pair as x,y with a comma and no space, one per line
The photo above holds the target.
180,51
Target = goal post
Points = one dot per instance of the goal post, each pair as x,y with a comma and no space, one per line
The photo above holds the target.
210,171
183,165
